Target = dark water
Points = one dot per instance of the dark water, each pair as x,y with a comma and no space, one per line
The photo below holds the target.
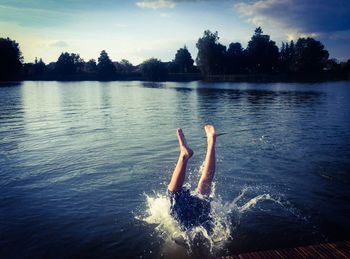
77,158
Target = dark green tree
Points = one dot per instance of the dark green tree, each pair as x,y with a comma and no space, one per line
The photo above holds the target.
183,60
124,67
309,56
154,69
287,54
262,53
211,54
105,66
39,66
10,59
68,64
35,69
282,57
90,66
346,67
235,59
333,66
258,31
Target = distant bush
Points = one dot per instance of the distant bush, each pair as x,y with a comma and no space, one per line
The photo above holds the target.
154,69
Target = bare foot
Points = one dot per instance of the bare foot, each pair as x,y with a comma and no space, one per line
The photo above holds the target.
184,149
210,131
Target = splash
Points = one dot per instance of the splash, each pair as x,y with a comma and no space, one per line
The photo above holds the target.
225,215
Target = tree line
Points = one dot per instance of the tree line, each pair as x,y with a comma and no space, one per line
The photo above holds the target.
305,57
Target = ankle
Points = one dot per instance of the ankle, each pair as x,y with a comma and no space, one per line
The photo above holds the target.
184,156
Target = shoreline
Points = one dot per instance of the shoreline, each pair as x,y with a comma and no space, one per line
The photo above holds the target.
236,78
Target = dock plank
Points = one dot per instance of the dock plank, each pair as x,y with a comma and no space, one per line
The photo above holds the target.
323,251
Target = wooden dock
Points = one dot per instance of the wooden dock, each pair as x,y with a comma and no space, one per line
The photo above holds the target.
330,250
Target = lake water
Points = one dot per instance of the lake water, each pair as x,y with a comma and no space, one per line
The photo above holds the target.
84,166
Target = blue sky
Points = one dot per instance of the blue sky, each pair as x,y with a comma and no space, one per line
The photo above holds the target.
140,29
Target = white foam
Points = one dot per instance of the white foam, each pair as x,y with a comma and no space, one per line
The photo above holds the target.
225,215
158,213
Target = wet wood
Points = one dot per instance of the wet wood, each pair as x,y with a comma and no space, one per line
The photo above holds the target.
329,250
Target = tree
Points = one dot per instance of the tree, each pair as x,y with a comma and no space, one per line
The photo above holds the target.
124,67
211,54
258,31
235,58
333,66
154,69
10,59
39,66
183,60
105,66
262,53
346,67
68,64
310,56
287,54
35,69
90,66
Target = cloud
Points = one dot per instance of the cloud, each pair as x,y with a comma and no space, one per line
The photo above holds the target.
312,17
156,4
59,44
327,21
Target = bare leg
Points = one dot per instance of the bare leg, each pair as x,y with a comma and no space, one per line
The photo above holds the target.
204,185
179,173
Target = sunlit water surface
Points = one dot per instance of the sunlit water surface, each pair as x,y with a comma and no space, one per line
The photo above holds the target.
84,167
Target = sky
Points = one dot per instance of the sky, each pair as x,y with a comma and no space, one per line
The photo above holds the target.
137,30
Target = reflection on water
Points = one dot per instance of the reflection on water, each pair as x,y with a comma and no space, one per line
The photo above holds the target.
77,159
153,84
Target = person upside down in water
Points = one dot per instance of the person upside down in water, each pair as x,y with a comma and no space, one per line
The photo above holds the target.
192,210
